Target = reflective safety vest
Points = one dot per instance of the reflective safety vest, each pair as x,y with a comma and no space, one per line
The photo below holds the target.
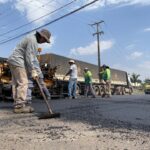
106,74
88,77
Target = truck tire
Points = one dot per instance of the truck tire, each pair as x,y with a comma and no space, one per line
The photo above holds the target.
130,91
123,91
78,90
96,90
101,89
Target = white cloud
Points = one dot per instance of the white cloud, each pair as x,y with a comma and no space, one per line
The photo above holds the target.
135,55
147,30
91,49
35,9
127,2
46,46
95,5
102,3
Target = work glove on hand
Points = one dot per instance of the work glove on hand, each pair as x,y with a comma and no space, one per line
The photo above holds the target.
34,74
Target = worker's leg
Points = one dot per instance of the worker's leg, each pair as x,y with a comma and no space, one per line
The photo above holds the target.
29,91
92,90
104,88
20,83
70,88
86,90
74,88
45,90
13,88
108,83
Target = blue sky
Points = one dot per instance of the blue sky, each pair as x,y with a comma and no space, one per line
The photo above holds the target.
125,44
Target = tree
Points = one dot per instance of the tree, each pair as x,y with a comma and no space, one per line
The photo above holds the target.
135,78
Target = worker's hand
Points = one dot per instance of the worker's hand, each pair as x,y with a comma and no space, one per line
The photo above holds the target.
34,74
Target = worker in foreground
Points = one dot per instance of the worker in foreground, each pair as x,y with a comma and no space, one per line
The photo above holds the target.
72,80
21,66
106,80
88,83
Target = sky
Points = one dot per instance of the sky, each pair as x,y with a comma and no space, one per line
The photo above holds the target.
124,45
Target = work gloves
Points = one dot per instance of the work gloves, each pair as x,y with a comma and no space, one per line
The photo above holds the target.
34,74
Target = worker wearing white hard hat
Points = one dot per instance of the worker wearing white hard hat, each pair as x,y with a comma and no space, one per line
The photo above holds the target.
72,80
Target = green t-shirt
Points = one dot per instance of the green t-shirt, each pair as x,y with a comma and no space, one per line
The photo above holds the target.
88,77
106,74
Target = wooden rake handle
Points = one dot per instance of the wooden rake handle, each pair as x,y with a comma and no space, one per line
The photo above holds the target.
44,97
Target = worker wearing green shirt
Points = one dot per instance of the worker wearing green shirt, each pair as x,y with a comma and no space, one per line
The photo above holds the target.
88,83
106,80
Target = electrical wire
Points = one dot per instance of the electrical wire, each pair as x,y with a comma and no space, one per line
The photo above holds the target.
12,30
53,21
21,17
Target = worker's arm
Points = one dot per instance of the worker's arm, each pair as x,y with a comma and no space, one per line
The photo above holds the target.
37,68
68,73
30,56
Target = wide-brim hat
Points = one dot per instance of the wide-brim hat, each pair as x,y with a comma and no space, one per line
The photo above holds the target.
45,34
71,61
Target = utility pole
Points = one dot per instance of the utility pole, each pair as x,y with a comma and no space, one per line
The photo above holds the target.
98,33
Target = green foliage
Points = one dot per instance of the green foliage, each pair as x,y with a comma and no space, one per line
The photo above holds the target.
135,78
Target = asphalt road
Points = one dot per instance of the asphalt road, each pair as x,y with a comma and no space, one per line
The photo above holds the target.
116,123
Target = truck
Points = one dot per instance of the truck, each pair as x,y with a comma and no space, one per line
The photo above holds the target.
119,79
54,67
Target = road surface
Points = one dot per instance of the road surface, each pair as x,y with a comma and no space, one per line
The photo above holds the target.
118,123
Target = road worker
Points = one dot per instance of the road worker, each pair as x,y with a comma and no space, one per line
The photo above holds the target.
88,83
106,80
73,73
21,64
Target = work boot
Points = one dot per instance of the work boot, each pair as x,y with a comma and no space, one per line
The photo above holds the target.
24,109
74,97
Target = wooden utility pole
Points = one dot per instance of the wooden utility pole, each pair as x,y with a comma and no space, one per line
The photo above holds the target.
98,33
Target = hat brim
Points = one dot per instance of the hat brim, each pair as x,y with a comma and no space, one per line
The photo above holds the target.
47,40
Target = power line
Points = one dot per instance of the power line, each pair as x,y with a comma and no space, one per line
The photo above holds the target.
37,8
38,18
55,20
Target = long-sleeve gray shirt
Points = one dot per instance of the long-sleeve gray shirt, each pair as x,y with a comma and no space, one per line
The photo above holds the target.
25,53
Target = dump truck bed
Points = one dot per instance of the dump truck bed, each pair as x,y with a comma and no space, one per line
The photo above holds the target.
119,77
